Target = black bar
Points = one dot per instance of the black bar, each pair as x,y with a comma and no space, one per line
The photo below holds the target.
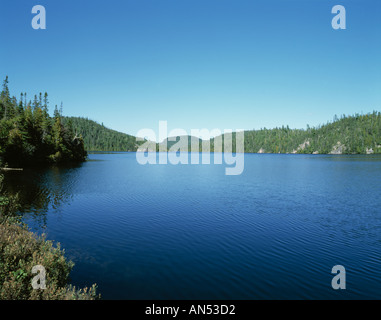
188,309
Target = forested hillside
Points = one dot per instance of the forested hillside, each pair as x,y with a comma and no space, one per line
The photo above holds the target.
99,138
357,134
29,136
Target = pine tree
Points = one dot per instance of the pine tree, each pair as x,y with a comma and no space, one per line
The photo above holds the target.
35,102
4,96
28,135
46,102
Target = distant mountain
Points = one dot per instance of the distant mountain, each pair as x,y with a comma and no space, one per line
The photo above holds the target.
193,143
99,138
357,134
181,143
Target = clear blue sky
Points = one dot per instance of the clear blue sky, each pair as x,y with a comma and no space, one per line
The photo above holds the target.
237,64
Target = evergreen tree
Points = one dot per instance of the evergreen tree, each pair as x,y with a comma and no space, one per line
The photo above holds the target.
28,135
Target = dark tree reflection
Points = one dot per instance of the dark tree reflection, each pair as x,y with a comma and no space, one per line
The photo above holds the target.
42,189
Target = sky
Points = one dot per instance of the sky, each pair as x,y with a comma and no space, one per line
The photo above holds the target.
225,64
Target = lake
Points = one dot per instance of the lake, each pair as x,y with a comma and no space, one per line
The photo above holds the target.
191,232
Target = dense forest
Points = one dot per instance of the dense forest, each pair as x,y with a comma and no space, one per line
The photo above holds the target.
357,134
29,136
99,138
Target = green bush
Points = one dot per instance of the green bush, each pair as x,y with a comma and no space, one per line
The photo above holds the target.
8,205
20,250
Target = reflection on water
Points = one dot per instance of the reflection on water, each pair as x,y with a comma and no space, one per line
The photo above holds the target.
42,190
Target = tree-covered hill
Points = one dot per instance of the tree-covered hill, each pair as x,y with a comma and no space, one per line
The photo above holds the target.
29,136
357,134
180,142
99,138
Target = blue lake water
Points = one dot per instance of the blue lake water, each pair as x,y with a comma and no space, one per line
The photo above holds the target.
191,232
